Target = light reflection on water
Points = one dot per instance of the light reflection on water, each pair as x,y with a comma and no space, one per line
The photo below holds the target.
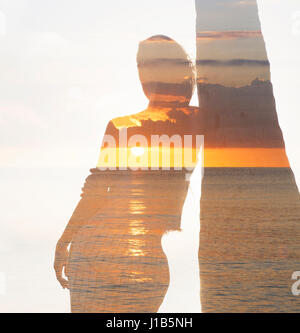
250,243
117,260
137,207
135,247
136,228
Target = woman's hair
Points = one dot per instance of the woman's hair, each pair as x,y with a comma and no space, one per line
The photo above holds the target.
166,72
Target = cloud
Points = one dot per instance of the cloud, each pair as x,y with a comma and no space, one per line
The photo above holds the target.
202,79
233,62
214,35
226,118
164,62
180,89
245,3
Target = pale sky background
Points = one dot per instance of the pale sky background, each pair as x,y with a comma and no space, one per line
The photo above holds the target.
64,74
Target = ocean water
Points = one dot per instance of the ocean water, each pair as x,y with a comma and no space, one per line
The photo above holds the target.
250,240
249,244
116,259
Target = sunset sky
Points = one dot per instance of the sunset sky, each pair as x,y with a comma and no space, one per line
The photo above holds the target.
231,49
71,64
238,121
231,53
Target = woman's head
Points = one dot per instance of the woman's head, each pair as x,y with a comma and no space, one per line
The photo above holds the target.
166,72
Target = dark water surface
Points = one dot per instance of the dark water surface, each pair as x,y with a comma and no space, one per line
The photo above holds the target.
250,240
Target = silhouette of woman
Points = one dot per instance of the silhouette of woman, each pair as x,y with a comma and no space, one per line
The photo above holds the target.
115,262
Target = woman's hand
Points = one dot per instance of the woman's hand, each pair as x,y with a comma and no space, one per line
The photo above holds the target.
60,262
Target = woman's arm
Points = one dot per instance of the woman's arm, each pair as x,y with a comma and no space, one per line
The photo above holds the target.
94,188
88,206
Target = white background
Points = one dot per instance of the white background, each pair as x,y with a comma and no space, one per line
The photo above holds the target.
59,86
